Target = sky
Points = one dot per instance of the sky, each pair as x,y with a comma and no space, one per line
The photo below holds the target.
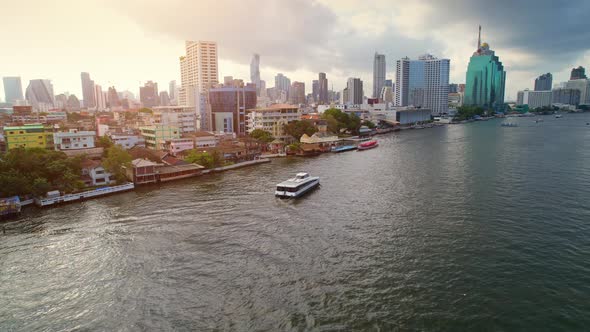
127,42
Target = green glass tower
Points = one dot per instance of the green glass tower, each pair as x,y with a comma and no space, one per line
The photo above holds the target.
486,79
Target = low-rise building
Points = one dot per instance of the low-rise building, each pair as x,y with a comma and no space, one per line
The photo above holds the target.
272,119
94,174
142,171
203,139
28,136
177,145
74,140
127,141
155,136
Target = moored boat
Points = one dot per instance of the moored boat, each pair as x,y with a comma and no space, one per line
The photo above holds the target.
344,148
296,187
368,145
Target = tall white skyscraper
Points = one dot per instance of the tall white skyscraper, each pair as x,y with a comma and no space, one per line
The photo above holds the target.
423,83
198,71
378,74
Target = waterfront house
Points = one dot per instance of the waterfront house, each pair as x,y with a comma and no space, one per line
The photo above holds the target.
142,171
94,174
322,138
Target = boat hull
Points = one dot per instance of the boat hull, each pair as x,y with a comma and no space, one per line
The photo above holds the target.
363,148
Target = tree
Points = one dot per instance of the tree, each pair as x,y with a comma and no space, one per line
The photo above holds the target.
468,112
104,142
146,110
297,128
338,120
204,159
262,135
115,162
369,124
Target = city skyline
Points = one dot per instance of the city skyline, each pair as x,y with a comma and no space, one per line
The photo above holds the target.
109,54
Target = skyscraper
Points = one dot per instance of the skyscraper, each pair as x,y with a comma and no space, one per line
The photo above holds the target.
354,91
172,90
164,98
315,90
282,83
88,91
486,79
297,93
100,98
198,72
113,97
255,72
40,94
148,94
423,83
544,82
13,89
322,89
578,73
378,74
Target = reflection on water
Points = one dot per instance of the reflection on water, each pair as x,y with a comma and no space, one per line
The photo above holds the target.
467,227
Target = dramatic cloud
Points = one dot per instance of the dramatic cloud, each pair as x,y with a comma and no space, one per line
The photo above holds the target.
123,42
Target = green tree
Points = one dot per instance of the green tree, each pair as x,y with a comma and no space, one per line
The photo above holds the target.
104,142
262,135
338,120
468,112
369,124
117,159
297,128
204,159
146,110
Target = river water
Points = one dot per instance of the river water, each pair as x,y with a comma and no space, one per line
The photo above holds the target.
465,227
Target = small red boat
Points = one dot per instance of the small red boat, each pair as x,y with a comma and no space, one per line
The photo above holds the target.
368,145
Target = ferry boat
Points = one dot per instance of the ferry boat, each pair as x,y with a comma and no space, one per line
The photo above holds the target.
368,145
558,116
344,148
297,186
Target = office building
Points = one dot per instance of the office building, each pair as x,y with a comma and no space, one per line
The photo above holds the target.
164,98
534,99
378,74
486,79
315,90
113,98
148,94
322,89
88,91
228,107
255,72
578,73
156,136
282,83
297,95
172,90
13,89
544,82
354,91
423,83
40,95
566,96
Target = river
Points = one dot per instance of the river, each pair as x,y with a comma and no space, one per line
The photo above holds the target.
465,227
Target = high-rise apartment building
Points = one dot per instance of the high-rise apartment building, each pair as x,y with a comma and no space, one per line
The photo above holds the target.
566,96
322,89
88,91
13,89
583,85
113,97
255,72
544,82
578,73
164,98
486,79
198,72
100,98
148,94
354,91
423,83
534,99
40,95
378,74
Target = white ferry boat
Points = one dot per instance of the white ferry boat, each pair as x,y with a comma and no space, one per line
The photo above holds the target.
297,186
